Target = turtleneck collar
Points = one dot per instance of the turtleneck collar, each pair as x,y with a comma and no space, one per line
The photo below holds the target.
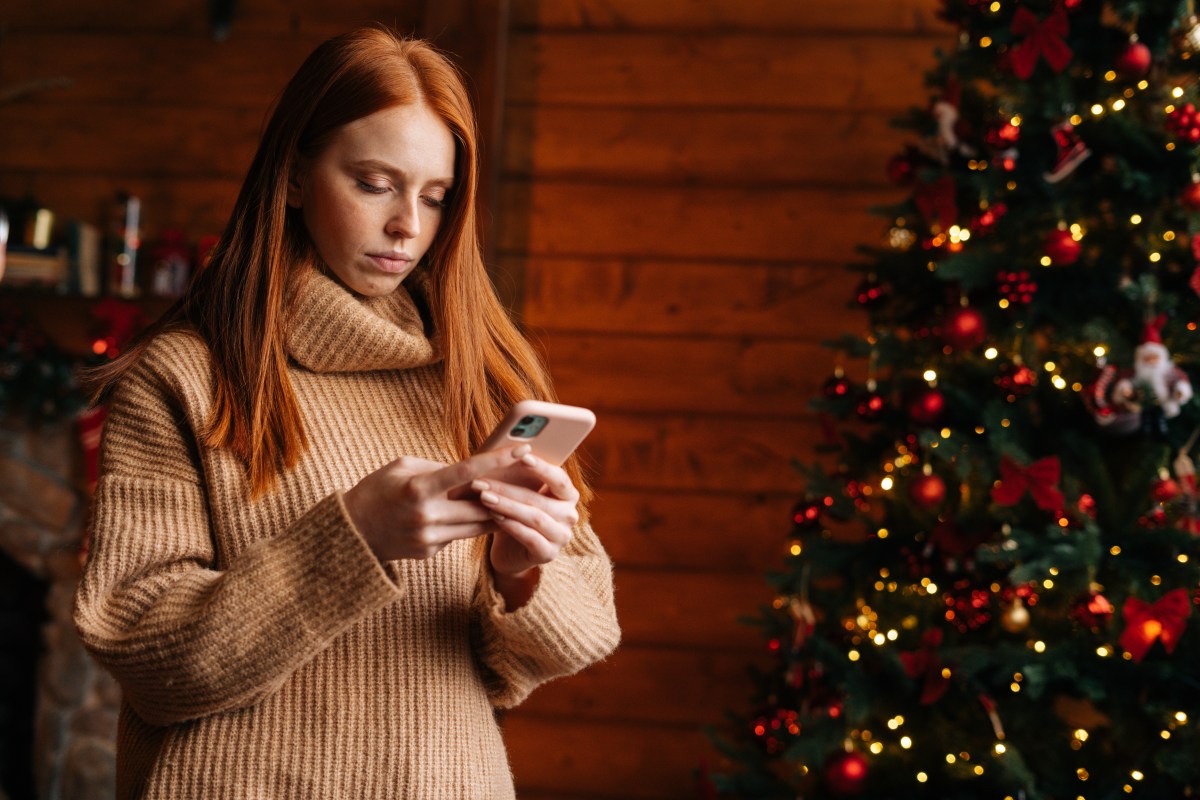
333,330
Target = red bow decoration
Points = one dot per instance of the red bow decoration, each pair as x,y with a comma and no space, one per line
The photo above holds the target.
926,664
1039,478
1163,621
1042,38
936,201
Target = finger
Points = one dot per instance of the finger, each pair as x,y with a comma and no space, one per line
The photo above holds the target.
467,470
539,519
438,536
563,510
539,548
556,480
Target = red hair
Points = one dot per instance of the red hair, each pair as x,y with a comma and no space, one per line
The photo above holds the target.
238,304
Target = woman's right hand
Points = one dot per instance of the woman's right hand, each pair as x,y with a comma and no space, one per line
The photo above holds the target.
410,509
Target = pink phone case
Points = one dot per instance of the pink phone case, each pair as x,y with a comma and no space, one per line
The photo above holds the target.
552,429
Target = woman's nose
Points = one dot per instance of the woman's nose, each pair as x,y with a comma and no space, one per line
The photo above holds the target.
405,222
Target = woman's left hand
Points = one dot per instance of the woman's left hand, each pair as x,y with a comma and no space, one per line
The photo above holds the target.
532,526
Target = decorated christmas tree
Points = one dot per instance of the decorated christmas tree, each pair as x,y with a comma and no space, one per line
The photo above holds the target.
989,584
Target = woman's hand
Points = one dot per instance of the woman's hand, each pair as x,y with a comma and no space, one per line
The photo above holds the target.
532,526
410,509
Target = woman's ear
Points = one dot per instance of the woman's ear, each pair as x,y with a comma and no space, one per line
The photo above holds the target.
293,186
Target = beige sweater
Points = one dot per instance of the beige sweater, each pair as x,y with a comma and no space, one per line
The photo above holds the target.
263,651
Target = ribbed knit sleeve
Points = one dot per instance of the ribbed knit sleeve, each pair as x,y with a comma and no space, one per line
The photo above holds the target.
189,631
568,623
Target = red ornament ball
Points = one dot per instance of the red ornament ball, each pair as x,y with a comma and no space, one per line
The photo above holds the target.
846,774
964,329
1184,124
836,386
1134,61
1092,610
870,293
1190,196
1164,490
927,492
806,516
926,406
1060,246
870,406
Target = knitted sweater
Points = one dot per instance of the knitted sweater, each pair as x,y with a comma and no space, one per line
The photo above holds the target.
263,651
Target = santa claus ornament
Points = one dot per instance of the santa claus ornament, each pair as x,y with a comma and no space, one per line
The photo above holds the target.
1152,393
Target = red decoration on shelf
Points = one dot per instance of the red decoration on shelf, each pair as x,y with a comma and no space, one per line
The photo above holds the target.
846,774
927,491
1134,61
1161,621
926,406
1061,248
964,329
1092,610
1043,38
1039,478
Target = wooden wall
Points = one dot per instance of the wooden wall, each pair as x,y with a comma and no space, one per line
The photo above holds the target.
683,180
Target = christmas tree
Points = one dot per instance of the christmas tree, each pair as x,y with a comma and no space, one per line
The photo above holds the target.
989,585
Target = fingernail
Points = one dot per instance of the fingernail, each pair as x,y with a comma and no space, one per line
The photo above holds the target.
499,517
522,451
489,497
529,459
479,486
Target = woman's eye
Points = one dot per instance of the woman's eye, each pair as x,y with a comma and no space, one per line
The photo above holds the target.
435,202
371,188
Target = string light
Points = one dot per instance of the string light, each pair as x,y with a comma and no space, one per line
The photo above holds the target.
906,742
990,353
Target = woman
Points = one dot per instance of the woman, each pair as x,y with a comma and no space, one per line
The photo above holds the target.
289,609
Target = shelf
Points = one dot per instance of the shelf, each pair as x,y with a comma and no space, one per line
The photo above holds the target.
67,318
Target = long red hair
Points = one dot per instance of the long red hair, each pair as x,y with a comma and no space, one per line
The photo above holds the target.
238,304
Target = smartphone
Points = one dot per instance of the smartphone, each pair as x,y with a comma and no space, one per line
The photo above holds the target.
553,430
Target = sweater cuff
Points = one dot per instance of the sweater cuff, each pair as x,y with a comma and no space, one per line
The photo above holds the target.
338,579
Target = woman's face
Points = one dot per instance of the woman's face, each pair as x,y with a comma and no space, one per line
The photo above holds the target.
372,200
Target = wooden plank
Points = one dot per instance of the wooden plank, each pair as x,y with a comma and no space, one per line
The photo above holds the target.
180,70
735,378
561,758
652,685
844,148
258,17
128,140
693,530
650,222
835,16
814,72
700,453
698,610
638,296
196,206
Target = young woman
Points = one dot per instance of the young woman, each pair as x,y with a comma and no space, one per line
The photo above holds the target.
305,584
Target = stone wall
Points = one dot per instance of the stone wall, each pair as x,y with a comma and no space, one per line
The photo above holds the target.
43,507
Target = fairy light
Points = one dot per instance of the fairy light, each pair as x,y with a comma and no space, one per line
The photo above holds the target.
1049,366
950,759
999,748
932,588
876,748
1165,734
1103,651
1115,550
1082,774
1155,258
1136,219
886,484
1059,382
893,635
1081,735
1168,236
853,655
882,533
1156,580
1076,119
1118,104
990,353
1045,261
1039,647
1181,717
1136,775
1097,110
985,41
945,432
1047,584
929,375
1143,85
1002,302
906,742
978,769
1110,76
796,549
1177,92
1099,351
1182,558
922,777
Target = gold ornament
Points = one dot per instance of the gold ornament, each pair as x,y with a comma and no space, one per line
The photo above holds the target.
1016,617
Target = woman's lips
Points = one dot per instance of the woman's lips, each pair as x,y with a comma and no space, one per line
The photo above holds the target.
390,262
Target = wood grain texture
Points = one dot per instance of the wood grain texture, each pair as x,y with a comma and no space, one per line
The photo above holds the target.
703,299
701,146
739,223
646,529
768,16
720,70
